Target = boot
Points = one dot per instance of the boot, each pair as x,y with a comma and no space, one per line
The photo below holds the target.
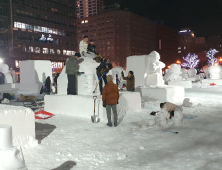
110,125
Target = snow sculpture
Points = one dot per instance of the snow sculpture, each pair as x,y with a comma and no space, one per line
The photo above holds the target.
192,72
153,75
4,68
191,61
86,82
178,116
162,119
184,74
173,74
11,158
215,72
205,70
211,59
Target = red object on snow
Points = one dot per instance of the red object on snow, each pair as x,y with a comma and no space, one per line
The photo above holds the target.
212,84
43,115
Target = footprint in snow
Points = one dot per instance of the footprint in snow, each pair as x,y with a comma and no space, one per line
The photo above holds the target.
122,157
142,147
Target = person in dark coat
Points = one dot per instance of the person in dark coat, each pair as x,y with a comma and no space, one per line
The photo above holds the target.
102,70
72,71
48,85
91,47
130,81
2,78
55,82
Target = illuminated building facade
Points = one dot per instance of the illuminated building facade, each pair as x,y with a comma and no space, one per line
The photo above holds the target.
41,30
87,8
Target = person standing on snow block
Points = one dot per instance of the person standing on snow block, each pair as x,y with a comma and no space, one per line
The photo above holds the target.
110,99
72,71
91,47
170,108
83,45
102,70
130,81
48,85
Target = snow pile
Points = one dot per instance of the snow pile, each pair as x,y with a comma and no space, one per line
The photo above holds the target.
22,121
173,73
33,74
83,105
86,82
147,69
215,72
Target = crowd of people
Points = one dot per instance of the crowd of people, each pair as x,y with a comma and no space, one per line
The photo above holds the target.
110,92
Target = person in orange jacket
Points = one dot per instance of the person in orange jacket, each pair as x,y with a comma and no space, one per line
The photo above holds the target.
110,97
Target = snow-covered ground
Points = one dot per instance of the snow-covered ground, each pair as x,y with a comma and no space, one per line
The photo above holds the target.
68,142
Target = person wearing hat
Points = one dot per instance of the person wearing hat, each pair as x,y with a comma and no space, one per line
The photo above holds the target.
72,71
101,71
110,99
130,81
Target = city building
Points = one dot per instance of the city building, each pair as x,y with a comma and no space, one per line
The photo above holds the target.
41,30
119,33
87,8
4,16
167,44
214,42
186,42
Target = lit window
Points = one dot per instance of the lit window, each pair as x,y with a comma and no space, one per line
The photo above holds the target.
37,50
52,51
69,52
86,21
184,47
58,52
45,50
31,49
179,51
179,48
82,22
64,52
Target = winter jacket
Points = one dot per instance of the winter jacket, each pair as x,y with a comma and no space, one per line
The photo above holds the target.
110,94
72,66
83,46
48,85
170,107
91,48
130,83
102,69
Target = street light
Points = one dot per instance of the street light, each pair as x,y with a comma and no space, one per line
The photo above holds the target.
178,62
1,61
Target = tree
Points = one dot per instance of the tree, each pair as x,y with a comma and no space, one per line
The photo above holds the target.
211,59
191,61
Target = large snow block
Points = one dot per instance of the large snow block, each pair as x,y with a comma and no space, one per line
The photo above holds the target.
33,73
138,65
185,84
211,81
8,87
82,105
174,94
22,121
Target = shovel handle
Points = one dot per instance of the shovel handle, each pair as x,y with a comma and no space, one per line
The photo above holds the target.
94,97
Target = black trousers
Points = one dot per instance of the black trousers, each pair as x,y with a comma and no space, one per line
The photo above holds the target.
72,83
101,82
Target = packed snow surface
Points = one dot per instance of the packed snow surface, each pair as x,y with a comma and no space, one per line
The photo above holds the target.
136,144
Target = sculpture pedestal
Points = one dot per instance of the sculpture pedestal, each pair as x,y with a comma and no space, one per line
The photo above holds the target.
173,94
185,83
5,136
211,81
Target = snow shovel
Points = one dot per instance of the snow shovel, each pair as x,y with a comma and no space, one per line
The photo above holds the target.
95,118
96,86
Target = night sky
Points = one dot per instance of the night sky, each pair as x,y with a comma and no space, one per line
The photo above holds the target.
204,17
